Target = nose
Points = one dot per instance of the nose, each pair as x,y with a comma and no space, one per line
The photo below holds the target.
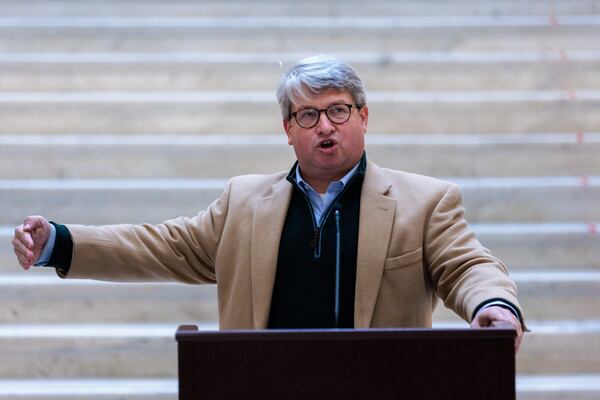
324,126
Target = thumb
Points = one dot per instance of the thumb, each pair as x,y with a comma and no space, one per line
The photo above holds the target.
32,223
480,321
502,324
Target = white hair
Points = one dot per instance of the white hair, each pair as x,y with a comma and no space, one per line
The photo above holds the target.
313,75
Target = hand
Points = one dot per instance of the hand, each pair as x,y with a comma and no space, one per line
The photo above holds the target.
29,240
499,317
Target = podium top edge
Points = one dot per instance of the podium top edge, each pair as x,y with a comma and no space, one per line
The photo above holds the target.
191,332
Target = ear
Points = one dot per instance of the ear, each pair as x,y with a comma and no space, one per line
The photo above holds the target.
287,126
363,113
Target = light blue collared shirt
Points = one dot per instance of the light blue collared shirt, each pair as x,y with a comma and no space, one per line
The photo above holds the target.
321,202
44,257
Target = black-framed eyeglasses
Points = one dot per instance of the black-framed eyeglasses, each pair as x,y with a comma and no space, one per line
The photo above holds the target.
336,113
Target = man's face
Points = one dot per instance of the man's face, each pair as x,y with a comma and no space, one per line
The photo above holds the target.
327,151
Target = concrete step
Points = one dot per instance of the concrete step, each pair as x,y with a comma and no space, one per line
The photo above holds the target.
487,200
89,389
555,247
306,34
236,112
89,351
102,202
46,299
149,354
559,354
556,347
529,387
558,387
530,199
543,246
41,298
286,8
549,295
197,71
114,156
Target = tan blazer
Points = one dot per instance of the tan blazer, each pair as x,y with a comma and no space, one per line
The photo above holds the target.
414,245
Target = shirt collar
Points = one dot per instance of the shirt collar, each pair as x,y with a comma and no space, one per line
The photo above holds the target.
345,179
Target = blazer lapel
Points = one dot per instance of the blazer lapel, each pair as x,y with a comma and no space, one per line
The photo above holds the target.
267,225
375,228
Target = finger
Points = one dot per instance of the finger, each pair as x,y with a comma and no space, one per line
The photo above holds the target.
19,249
518,341
478,322
482,320
24,254
20,246
39,229
496,313
502,317
511,322
33,222
24,237
39,237
519,338
24,261
505,323
493,317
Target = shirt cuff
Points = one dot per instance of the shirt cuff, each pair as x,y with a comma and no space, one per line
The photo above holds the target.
44,257
501,304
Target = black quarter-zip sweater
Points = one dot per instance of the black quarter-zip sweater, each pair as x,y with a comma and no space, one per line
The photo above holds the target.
304,289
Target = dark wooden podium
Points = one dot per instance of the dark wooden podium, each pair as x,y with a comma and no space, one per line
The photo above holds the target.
347,364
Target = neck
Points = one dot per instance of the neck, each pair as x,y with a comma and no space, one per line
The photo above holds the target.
319,185
321,180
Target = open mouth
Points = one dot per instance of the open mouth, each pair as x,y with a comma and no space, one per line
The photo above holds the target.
327,144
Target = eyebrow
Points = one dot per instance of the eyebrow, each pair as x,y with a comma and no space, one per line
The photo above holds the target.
315,107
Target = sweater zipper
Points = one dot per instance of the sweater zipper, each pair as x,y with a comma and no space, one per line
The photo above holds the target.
315,242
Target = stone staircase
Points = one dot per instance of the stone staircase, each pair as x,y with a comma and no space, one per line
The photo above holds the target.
137,111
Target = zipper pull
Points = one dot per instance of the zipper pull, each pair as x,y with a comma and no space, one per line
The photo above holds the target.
315,239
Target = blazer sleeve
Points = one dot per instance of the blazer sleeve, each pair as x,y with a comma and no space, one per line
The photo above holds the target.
464,273
181,249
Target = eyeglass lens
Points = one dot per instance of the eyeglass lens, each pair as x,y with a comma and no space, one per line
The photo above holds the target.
336,113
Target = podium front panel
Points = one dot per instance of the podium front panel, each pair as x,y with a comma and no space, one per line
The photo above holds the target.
347,363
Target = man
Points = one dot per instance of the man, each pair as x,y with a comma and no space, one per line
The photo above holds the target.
269,242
